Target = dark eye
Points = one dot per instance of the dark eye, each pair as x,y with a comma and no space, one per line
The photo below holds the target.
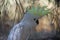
0,13
36,21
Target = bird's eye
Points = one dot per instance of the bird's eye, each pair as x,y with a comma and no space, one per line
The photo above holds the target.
34,19
37,22
0,13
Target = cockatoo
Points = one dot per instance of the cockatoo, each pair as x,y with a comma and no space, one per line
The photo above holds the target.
22,30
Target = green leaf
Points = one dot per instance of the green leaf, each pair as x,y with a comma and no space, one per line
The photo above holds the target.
39,11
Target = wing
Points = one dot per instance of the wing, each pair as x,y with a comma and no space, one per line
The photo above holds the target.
15,33
18,32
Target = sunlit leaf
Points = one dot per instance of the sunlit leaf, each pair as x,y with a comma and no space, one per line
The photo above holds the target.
39,11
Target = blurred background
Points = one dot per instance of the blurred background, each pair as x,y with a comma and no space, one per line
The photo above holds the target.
12,11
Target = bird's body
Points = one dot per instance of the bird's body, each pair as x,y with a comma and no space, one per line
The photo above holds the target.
22,30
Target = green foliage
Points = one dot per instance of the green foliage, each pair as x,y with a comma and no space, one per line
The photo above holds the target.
39,11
